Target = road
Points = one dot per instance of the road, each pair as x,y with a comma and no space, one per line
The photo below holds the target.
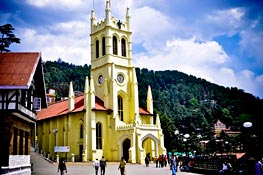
41,166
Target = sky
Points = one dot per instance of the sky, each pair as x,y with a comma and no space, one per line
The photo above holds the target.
217,40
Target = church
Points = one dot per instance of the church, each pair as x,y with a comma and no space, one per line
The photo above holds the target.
106,119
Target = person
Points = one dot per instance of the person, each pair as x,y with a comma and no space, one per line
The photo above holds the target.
173,164
156,161
165,160
122,166
146,161
224,169
62,166
259,168
96,165
103,164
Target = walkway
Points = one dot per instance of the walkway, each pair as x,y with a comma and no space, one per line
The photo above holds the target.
44,167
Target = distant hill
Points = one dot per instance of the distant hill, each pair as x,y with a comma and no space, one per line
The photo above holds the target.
183,102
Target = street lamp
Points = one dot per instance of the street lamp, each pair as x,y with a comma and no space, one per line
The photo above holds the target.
176,133
55,131
247,125
186,136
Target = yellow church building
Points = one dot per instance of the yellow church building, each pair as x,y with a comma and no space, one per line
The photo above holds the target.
106,119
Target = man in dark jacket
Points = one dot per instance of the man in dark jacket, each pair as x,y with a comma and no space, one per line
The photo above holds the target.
103,164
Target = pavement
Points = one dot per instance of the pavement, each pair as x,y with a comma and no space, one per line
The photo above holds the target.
42,166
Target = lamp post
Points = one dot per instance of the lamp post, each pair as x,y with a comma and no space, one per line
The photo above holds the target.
250,162
186,136
226,146
55,131
176,133
247,140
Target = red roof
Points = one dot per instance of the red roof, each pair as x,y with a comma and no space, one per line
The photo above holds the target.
61,108
144,112
17,69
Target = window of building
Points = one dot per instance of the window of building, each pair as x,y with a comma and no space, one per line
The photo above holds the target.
120,108
26,143
98,136
115,45
15,141
97,49
81,131
103,46
123,47
21,142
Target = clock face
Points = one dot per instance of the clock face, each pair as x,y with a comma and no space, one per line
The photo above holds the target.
100,79
120,78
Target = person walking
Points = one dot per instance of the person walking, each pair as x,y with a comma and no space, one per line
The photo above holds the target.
96,165
173,164
103,165
259,168
122,166
62,166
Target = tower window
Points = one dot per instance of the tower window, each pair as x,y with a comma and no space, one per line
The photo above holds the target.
115,45
120,108
98,136
103,46
97,49
123,47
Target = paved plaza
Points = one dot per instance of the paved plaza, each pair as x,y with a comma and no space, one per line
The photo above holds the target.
44,167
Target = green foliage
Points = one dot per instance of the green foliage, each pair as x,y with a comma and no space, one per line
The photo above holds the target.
183,102
7,37
58,75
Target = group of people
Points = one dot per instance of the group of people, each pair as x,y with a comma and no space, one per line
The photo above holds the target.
100,164
62,168
161,161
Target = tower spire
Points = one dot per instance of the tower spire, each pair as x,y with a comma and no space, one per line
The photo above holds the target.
108,12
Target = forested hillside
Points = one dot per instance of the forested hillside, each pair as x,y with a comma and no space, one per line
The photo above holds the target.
183,102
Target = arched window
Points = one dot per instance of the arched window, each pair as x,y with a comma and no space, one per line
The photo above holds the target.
114,45
120,108
97,49
103,46
81,131
98,136
123,47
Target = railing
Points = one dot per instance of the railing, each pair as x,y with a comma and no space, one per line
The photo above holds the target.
130,126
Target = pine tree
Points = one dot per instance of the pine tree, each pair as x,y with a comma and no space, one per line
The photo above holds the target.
7,37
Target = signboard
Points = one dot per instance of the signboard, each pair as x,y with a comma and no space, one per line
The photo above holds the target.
62,149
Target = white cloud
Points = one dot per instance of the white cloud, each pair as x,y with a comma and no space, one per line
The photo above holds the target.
149,24
58,4
180,53
205,60
71,44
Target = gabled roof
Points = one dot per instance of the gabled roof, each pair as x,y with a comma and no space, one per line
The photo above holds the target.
61,108
144,112
19,69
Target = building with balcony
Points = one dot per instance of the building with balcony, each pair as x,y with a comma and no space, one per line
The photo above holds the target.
106,120
22,94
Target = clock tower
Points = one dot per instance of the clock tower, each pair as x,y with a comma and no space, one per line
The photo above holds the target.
112,70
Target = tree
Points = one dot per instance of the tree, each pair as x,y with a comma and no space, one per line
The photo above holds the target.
7,37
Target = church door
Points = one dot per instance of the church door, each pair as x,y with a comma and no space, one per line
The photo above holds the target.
126,147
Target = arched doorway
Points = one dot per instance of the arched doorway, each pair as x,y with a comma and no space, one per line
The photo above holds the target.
126,146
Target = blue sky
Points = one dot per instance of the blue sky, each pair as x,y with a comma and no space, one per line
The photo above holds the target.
218,40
